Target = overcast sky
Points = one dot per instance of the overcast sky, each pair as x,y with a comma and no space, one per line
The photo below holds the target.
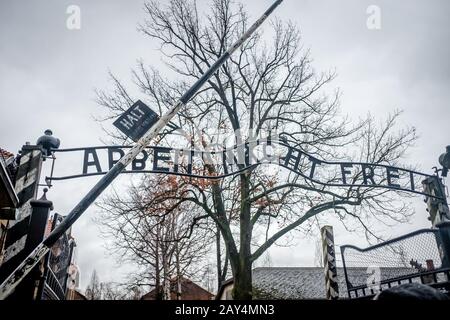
48,74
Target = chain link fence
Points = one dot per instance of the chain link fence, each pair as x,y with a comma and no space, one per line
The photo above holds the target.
414,257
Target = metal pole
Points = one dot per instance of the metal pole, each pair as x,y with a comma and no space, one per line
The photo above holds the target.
348,284
24,268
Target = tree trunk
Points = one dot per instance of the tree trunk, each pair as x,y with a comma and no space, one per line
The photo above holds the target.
240,262
166,277
219,260
242,289
178,272
243,273
159,295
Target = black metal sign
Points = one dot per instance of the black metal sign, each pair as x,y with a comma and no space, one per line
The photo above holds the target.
136,121
239,158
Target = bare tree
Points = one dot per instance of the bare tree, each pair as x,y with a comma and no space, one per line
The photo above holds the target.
318,254
264,86
153,234
94,289
97,290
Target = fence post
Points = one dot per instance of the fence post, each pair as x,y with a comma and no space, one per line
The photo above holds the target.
437,208
38,225
27,290
444,243
26,187
329,263
347,282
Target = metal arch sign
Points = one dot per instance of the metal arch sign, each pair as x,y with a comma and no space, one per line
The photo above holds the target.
240,158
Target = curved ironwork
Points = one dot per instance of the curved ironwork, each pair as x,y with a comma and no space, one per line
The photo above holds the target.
54,287
285,161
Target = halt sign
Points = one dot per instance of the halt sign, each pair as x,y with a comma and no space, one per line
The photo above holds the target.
136,121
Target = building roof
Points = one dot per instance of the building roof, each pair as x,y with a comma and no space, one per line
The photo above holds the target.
294,282
8,196
74,294
189,291
301,282
6,157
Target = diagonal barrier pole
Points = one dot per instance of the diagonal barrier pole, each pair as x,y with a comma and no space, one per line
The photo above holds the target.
39,252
